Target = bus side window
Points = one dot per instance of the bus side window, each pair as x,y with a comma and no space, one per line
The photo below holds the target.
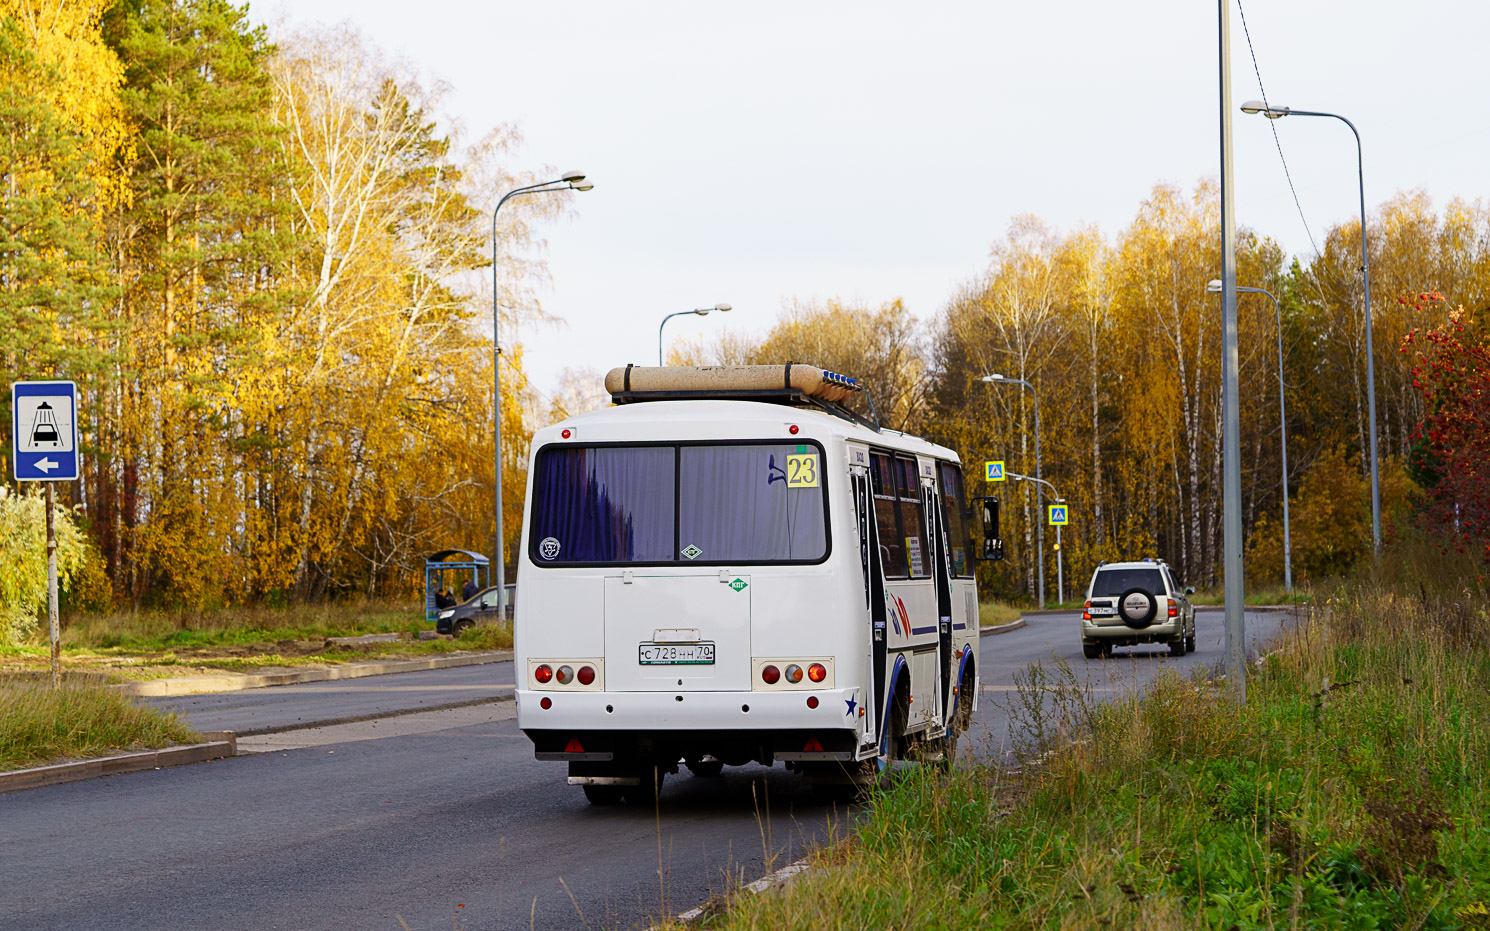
955,503
912,518
892,546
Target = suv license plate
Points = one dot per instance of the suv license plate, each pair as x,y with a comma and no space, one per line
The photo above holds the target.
676,654
1102,612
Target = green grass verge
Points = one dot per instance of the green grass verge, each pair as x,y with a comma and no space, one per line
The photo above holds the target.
1351,791
39,725
994,613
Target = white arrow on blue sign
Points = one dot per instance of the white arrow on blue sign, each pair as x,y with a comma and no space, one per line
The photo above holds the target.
44,430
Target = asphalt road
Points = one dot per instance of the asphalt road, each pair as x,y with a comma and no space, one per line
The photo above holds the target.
437,819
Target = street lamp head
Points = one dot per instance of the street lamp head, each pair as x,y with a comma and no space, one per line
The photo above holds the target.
1213,286
1258,106
993,377
572,176
582,185
722,307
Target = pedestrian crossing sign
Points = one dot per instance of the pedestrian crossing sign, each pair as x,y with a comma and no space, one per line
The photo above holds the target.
1059,516
993,471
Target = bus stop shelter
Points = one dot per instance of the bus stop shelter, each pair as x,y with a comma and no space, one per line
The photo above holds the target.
460,565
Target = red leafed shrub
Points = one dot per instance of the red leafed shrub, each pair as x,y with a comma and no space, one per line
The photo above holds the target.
1450,454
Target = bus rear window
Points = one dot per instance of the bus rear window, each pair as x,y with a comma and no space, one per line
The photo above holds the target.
699,504
603,504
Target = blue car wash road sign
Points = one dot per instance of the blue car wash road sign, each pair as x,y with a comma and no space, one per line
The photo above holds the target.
44,430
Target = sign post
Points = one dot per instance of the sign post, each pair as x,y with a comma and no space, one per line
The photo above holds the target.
1060,516
44,441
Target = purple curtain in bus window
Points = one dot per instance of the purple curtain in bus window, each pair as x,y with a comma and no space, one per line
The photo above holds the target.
735,504
605,505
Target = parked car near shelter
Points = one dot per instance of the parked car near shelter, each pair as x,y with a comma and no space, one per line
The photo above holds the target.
1129,603
481,608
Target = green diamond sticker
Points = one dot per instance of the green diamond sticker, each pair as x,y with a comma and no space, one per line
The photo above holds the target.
738,585
692,552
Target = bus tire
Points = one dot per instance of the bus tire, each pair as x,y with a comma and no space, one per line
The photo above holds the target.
603,795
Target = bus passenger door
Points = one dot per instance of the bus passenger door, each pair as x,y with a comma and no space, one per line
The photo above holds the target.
942,575
874,595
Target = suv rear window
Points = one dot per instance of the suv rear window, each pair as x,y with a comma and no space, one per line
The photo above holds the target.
1112,582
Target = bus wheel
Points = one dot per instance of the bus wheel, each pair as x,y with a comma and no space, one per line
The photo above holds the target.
603,795
707,769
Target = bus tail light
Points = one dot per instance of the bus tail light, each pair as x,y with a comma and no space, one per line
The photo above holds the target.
817,672
812,701
586,675
546,703
565,675
543,673
794,673
770,675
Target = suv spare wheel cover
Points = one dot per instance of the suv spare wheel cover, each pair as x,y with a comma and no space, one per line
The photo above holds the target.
1137,608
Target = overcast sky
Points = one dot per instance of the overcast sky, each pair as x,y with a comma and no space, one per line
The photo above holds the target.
755,153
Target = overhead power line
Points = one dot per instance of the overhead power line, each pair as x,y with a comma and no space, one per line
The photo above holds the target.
1274,125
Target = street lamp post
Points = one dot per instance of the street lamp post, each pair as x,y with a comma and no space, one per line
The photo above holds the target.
997,379
1274,113
568,181
702,312
1060,555
1214,287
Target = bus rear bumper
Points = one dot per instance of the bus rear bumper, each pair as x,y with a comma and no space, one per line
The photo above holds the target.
689,711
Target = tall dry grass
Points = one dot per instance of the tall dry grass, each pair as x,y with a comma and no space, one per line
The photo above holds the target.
1351,791
39,725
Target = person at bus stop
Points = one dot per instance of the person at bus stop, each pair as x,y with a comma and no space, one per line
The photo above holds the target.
468,591
444,600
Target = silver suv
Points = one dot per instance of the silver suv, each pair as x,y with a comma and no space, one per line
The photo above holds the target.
1128,603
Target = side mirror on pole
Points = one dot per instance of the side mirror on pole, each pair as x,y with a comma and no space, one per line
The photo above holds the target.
993,546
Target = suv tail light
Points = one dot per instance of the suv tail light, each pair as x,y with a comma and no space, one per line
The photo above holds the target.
1173,611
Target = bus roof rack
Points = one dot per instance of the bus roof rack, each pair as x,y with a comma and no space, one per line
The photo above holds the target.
791,383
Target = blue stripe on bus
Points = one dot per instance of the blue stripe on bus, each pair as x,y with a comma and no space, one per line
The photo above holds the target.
923,630
959,627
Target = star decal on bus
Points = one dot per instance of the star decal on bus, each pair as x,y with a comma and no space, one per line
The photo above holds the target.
852,704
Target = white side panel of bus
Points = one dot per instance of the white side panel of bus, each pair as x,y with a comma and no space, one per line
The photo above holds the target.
642,609
560,614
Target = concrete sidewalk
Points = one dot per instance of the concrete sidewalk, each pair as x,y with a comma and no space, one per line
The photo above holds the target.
235,682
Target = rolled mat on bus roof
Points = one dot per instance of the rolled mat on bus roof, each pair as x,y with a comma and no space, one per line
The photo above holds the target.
808,379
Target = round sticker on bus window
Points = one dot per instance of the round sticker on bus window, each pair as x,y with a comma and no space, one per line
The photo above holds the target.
548,548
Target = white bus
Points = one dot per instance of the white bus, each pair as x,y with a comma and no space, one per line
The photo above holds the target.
716,572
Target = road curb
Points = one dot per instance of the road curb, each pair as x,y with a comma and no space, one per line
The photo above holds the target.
1001,628
771,882
373,716
219,745
200,685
